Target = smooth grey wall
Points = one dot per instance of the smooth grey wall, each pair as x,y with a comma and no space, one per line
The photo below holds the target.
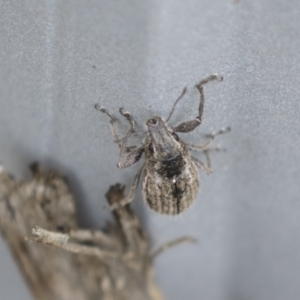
58,58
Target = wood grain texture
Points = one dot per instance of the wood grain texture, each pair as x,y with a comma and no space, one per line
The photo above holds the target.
114,264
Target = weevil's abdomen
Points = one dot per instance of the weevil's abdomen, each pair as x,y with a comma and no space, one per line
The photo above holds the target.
168,191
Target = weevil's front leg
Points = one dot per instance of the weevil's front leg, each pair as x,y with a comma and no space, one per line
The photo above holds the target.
170,244
62,241
113,121
131,193
128,155
209,137
191,125
129,118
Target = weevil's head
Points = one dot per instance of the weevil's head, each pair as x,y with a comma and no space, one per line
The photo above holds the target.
162,143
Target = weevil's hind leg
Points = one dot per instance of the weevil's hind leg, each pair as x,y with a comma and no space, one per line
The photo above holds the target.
206,151
208,167
131,193
166,246
210,138
199,164
62,241
191,125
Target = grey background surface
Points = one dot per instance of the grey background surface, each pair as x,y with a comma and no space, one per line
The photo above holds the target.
59,58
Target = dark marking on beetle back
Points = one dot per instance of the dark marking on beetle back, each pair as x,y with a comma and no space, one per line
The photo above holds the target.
177,194
171,167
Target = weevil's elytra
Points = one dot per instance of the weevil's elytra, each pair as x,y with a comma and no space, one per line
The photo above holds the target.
171,167
170,176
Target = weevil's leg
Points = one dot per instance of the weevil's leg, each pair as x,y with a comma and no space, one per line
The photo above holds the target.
191,125
214,149
199,147
131,121
207,169
129,118
209,137
175,103
128,155
131,193
170,244
208,161
123,141
201,91
113,121
92,236
219,132
62,241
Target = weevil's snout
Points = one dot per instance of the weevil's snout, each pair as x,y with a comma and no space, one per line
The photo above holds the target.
157,127
163,143
155,123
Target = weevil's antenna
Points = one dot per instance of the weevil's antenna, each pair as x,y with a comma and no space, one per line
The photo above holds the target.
175,103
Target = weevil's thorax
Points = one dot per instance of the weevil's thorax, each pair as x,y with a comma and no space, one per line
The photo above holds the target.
162,144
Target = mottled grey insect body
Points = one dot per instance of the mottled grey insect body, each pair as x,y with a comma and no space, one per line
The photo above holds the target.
170,176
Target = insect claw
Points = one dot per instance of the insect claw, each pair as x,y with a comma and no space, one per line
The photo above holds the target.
124,113
219,77
102,109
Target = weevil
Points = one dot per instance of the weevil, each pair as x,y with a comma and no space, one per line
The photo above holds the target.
170,175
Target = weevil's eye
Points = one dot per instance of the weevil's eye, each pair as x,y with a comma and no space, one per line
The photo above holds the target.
175,136
152,121
151,148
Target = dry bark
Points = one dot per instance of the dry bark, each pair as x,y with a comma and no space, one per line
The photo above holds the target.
114,264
